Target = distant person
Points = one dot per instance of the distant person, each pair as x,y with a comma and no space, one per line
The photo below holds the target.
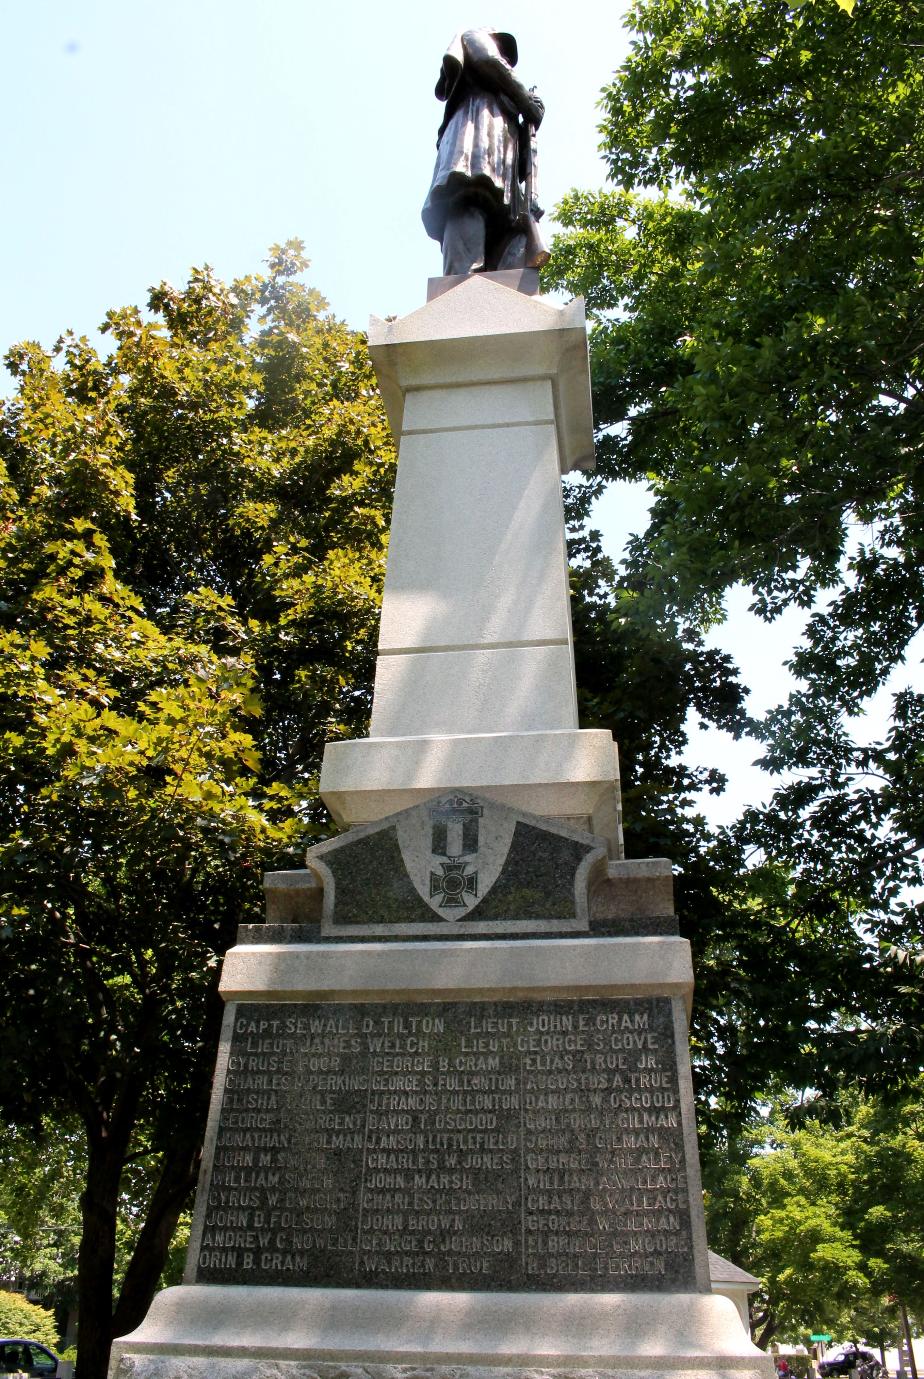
481,204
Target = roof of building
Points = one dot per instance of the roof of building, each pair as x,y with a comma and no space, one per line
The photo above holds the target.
723,1271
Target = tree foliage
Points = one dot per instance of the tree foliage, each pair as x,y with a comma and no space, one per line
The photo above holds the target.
40,1181
755,280
21,1318
41,1178
192,548
828,1213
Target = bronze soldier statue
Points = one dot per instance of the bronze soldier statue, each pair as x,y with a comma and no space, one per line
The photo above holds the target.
482,203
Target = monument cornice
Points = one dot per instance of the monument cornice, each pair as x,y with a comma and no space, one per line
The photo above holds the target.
471,969
481,332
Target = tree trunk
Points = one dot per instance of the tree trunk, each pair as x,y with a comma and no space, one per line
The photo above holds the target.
98,1204
763,1337
880,1341
179,1169
912,1363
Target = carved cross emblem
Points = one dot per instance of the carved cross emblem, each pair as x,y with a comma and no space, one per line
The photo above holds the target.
454,837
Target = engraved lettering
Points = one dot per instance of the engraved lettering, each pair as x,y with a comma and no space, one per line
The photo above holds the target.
495,1145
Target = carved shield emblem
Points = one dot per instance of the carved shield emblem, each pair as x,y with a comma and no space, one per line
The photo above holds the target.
454,851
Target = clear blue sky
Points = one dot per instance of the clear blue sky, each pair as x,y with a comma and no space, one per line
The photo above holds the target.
141,138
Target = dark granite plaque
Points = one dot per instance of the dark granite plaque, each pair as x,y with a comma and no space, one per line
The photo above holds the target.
504,1145
536,882
457,864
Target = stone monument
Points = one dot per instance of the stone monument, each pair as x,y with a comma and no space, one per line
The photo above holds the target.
452,1130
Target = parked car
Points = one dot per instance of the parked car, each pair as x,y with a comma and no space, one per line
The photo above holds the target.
848,1357
18,1356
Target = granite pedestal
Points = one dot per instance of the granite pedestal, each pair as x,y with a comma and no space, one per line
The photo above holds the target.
464,1154
488,1147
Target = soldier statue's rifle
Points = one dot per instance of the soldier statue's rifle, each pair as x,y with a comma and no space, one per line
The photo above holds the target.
537,255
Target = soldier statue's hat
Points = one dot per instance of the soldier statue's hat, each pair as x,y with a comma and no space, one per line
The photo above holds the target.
508,46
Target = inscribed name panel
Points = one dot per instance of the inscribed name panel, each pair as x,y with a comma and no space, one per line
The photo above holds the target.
509,1145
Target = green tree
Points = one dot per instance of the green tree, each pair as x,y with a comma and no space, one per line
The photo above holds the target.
19,1317
755,281
40,1180
828,1214
41,1177
192,548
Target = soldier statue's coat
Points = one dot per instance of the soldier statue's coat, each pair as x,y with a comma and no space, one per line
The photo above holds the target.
476,203
478,146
